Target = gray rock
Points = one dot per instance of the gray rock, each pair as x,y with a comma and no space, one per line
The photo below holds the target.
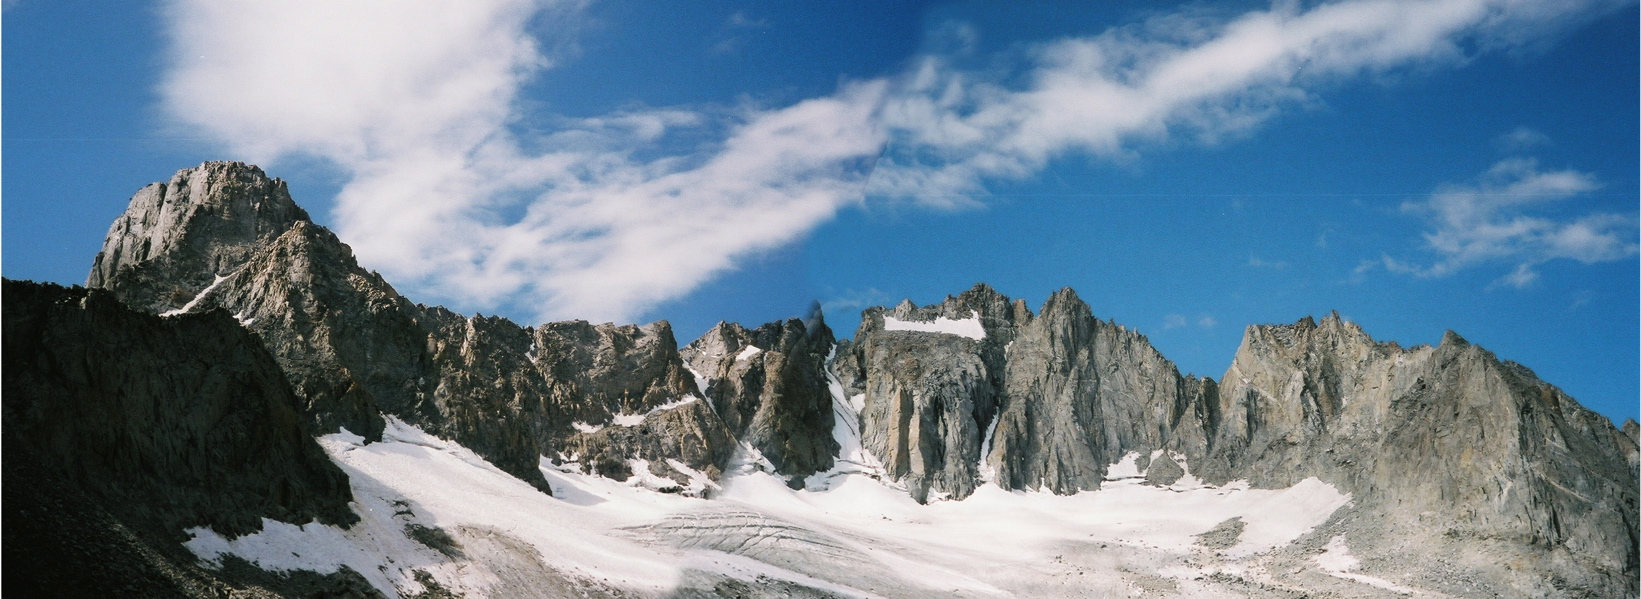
769,387
1223,535
1446,448
176,236
1055,397
122,429
189,417
930,396
354,349
1081,393
1163,471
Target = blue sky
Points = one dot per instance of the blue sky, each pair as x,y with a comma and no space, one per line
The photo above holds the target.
1187,168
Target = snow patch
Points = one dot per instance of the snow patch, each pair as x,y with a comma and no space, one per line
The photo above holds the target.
1125,468
643,478
1338,561
630,420
413,477
852,458
748,353
699,482
201,296
988,472
701,380
748,460
968,327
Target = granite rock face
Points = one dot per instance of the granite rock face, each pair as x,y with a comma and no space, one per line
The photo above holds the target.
1037,401
768,385
356,350
190,415
1448,447
176,236
1487,474
123,428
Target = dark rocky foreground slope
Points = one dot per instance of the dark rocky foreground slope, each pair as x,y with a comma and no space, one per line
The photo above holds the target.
122,429
1468,474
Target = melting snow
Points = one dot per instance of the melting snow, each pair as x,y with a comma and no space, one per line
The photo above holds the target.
988,473
197,298
1338,561
701,380
852,458
635,419
968,327
972,547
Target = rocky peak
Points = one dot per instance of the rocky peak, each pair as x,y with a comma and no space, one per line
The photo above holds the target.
768,385
178,236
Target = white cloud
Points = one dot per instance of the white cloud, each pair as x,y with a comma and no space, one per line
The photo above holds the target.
1522,139
1172,77
415,100
418,101
1173,321
1504,217
855,300
1206,321
1256,262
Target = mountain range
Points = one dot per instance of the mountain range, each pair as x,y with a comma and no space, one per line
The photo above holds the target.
233,406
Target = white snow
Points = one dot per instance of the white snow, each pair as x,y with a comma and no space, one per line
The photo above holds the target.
197,298
1125,468
968,327
971,547
1338,561
443,484
635,419
852,458
988,473
748,353
699,482
701,380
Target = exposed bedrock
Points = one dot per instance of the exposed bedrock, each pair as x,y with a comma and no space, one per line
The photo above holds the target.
769,387
1052,398
122,429
224,235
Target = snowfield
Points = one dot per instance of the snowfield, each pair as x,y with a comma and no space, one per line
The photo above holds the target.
968,327
433,512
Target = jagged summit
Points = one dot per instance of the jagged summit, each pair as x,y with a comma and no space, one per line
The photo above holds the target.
224,235
175,237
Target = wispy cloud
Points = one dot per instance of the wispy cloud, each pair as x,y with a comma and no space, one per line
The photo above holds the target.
855,300
415,100
418,102
1177,321
1257,262
1173,77
1522,139
733,32
1503,218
